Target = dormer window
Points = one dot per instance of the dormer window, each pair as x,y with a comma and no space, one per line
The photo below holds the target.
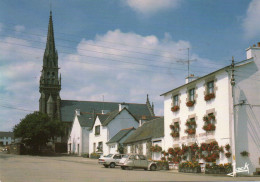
97,130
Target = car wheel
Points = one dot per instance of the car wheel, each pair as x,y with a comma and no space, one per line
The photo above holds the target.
112,165
106,166
153,167
129,168
122,167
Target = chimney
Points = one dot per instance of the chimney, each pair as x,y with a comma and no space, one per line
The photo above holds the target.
191,78
77,111
251,51
122,106
105,111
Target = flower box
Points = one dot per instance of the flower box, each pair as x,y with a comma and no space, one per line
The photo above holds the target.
175,134
190,131
228,154
209,127
190,103
189,167
175,108
156,148
209,96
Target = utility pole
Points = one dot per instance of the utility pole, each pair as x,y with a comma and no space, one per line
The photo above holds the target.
233,149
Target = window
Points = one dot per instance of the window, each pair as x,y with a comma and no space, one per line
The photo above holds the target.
191,94
210,87
176,100
142,157
100,147
97,130
117,156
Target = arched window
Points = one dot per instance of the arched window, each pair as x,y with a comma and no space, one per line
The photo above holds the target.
48,75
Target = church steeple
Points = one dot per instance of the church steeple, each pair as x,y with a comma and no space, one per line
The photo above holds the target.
50,53
50,83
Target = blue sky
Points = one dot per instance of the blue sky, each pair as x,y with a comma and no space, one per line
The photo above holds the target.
119,49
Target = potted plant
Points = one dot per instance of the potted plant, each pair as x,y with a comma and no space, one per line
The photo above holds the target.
175,108
209,96
190,103
228,154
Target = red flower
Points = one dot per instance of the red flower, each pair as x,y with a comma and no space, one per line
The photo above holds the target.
209,96
190,103
175,108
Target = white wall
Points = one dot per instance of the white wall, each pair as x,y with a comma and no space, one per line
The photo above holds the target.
75,137
6,140
121,121
247,113
113,147
221,104
103,137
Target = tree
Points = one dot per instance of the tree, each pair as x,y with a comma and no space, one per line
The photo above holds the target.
36,129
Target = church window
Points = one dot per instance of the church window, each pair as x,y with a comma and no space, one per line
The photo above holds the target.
48,75
53,75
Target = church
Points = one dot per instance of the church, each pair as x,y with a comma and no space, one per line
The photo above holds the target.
51,103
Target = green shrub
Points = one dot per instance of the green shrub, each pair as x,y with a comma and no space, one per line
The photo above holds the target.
94,155
86,155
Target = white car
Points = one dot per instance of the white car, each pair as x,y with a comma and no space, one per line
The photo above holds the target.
110,160
131,161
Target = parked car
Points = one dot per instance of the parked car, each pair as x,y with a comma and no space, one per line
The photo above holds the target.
110,160
137,161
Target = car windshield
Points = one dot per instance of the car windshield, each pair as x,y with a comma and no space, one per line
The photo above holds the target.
125,156
109,155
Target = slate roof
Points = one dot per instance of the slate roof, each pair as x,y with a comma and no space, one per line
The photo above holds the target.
212,73
106,118
150,129
85,120
6,134
68,108
122,133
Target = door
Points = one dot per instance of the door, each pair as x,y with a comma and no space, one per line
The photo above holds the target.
143,161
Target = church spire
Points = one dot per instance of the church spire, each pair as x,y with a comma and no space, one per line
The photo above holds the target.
50,83
50,54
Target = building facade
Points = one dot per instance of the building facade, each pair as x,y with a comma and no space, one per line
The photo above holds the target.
6,138
203,112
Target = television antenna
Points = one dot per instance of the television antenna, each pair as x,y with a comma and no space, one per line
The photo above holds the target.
188,60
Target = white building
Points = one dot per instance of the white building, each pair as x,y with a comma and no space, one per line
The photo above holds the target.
6,138
78,141
211,96
116,142
108,125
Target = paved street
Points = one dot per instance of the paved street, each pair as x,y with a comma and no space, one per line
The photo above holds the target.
53,169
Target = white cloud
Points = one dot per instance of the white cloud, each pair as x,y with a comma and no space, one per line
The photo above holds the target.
251,23
19,28
152,6
113,65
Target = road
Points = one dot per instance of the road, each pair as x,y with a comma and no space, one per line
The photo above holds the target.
16,168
